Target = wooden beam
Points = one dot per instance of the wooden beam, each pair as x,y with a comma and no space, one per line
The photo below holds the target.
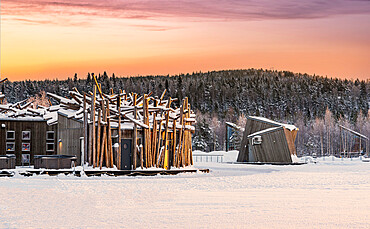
98,139
119,133
85,124
93,127
166,148
134,150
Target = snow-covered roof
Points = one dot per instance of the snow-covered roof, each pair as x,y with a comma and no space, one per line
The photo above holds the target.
287,126
265,131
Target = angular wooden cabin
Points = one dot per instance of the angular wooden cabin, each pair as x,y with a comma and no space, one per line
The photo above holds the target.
267,141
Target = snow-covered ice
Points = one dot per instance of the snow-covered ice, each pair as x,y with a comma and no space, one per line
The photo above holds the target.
316,195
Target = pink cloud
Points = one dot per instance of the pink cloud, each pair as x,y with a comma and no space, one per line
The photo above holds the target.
188,9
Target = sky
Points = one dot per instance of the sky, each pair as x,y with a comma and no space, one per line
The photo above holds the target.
49,39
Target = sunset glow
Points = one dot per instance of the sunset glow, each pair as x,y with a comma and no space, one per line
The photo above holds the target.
55,39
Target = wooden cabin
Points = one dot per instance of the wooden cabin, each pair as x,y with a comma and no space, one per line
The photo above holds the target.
29,136
267,141
26,137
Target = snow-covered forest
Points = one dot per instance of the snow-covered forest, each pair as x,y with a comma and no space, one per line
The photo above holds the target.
316,105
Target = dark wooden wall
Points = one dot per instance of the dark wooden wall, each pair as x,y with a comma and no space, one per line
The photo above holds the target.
38,137
69,133
251,127
274,147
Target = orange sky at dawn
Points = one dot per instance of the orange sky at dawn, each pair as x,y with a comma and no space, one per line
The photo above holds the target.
54,39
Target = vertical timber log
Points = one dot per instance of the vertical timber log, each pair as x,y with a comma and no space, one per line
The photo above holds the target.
93,146
98,139
166,164
174,143
109,138
85,132
134,145
119,132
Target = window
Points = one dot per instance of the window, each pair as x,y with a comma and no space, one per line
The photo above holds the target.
49,147
10,146
10,135
26,146
50,135
26,135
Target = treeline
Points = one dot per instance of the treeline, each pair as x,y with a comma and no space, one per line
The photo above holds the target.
231,95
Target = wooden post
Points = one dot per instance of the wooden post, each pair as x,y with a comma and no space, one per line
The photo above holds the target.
119,132
104,137
85,131
134,150
98,139
158,153
174,144
109,138
166,150
93,127
178,153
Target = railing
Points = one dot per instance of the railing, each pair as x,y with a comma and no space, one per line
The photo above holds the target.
208,158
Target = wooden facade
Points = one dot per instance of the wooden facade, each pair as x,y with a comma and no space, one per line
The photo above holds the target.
30,137
69,136
267,141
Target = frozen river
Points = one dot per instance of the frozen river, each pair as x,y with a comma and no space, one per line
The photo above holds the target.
326,194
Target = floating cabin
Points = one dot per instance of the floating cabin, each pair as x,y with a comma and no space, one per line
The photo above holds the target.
113,130
267,141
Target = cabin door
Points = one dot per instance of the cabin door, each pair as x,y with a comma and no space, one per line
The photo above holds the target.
126,154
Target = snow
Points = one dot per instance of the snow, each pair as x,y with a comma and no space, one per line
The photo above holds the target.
287,126
326,194
264,131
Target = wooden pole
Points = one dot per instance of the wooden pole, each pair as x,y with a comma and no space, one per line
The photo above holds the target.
98,139
93,128
85,130
174,143
119,156
178,153
134,145
109,136
104,137
166,153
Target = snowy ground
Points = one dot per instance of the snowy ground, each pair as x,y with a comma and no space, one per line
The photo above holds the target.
326,194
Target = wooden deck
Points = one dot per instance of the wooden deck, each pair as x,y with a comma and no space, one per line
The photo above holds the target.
90,173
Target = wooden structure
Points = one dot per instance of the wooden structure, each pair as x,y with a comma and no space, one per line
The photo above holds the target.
352,143
26,137
267,141
122,130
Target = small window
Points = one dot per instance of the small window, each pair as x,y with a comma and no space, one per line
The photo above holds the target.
49,147
10,135
10,146
26,146
50,135
26,135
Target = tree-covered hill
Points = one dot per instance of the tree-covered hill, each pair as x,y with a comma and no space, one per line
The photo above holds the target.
221,96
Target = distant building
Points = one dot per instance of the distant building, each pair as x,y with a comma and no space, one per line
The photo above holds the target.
267,141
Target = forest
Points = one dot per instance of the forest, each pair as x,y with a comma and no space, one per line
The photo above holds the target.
316,105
